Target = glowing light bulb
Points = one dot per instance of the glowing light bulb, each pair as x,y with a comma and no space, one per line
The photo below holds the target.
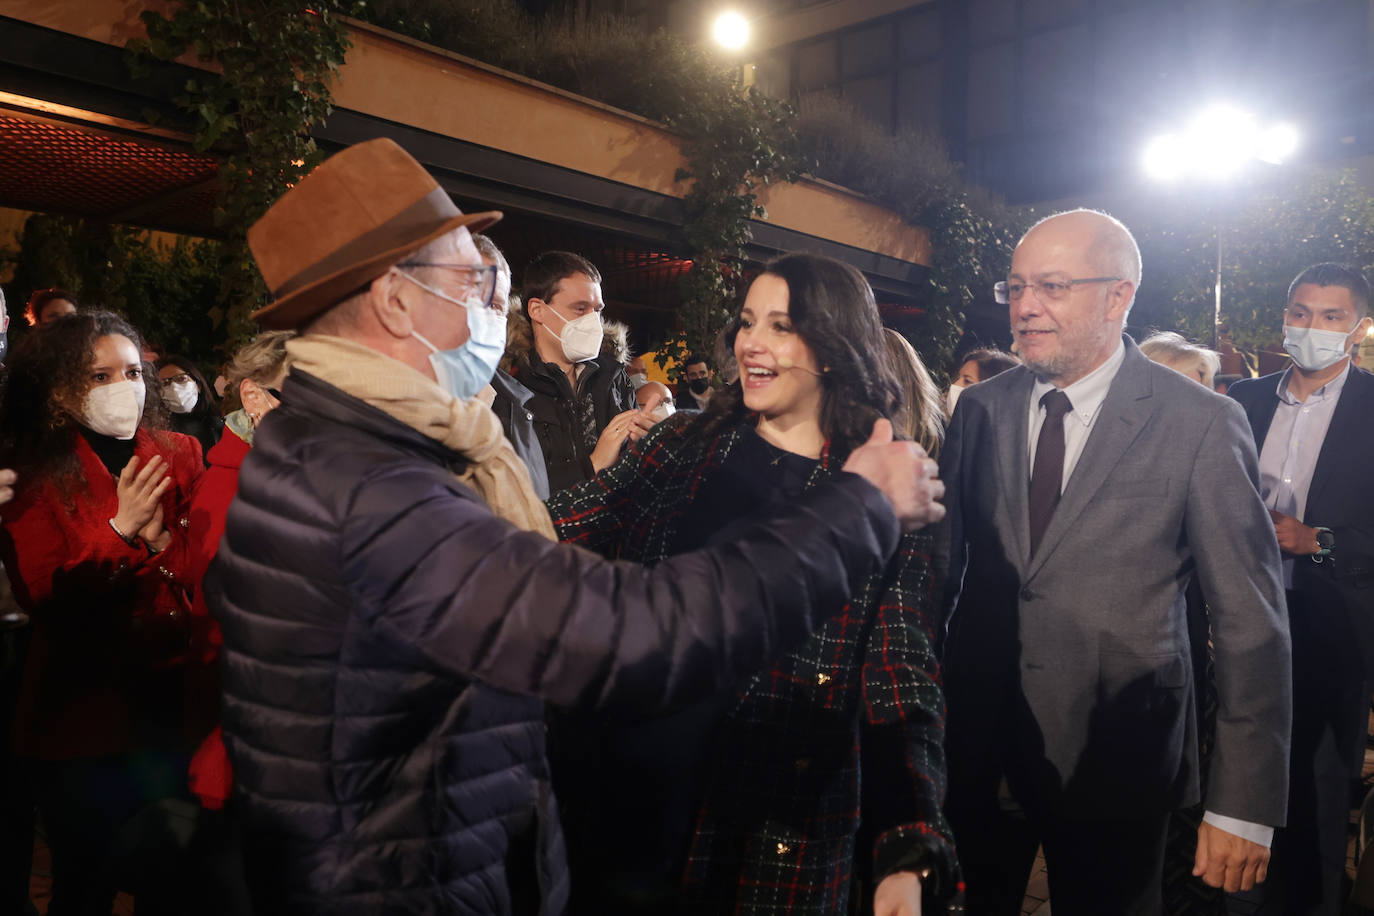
731,30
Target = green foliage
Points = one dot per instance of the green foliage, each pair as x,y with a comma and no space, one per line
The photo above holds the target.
911,173
734,140
277,60
162,290
1271,231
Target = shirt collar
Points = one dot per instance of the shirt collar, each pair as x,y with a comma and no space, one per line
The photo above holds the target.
1330,389
1087,394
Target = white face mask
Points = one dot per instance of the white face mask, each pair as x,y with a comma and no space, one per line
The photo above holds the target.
953,395
180,397
114,409
1314,350
663,411
581,337
638,380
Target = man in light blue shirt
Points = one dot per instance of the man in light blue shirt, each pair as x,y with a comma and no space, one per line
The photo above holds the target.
1311,424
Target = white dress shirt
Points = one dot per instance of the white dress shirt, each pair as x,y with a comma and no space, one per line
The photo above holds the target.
1288,455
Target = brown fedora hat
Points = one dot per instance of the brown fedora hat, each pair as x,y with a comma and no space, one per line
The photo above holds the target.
360,211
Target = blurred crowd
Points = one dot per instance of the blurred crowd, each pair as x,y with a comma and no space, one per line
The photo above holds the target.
429,600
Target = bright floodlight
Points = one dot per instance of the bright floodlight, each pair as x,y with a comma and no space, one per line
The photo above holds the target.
1216,144
1166,158
1222,139
1277,143
731,30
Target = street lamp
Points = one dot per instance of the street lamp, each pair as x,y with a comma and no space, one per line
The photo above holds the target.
1218,143
731,30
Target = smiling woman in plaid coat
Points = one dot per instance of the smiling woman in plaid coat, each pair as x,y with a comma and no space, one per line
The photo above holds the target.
820,778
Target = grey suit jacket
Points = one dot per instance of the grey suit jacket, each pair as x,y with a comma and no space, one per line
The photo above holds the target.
1068,672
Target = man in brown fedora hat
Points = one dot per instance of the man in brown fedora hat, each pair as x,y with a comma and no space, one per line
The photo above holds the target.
394,607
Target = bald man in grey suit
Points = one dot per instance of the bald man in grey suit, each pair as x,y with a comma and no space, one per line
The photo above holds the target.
1085,490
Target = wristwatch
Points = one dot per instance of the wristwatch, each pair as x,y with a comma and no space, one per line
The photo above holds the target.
1326,542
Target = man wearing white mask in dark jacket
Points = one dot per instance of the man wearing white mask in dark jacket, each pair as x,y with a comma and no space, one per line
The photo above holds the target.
394,606
1312,430
584,405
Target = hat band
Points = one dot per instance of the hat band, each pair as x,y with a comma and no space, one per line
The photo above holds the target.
414,222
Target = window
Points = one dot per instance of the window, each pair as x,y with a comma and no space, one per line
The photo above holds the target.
918,97
991,90
816,66
773,76
991,19
918,35
873,97
866,51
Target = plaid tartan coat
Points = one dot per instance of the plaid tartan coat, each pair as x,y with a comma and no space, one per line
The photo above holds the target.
840,738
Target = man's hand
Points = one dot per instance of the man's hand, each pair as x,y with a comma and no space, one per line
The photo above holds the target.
1295,538
7,479
899,894
1227,861
903,472
631,425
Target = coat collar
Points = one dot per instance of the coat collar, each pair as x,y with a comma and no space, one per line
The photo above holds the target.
320,400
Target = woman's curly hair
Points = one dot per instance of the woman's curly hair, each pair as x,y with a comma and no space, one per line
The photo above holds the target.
50,367
831,306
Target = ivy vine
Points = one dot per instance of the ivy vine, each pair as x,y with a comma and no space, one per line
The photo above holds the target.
276,61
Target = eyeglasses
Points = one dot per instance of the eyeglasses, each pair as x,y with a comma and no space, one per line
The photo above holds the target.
171,380
1006,292
477,280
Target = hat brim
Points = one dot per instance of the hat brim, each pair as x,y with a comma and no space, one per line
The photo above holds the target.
290,312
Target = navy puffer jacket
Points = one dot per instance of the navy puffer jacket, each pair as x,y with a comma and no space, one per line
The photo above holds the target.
385,638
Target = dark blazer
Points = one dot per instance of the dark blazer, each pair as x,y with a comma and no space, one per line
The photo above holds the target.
1340,499
1068,671
387,641
512,407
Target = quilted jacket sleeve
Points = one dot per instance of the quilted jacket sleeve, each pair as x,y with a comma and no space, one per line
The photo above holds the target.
432,567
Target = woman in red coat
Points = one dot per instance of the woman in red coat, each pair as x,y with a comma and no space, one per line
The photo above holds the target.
255,374
94,544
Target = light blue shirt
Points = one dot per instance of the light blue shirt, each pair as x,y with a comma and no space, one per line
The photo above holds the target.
1288,457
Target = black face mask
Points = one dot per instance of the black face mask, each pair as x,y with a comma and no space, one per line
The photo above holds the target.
699,385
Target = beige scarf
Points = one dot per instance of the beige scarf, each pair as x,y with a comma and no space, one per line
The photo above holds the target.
466,426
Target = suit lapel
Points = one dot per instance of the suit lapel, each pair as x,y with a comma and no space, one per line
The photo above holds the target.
1010,429
1351,410
1123,415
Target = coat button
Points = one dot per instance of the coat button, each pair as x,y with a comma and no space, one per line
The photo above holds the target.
185,523
1027,594
822,679
803,764
528,415
783,849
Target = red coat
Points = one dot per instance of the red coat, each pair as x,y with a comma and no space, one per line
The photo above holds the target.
211,776
104,671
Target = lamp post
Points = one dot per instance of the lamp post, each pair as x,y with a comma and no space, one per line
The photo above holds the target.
1218,144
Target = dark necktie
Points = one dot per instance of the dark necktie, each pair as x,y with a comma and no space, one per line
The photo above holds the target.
1048,473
